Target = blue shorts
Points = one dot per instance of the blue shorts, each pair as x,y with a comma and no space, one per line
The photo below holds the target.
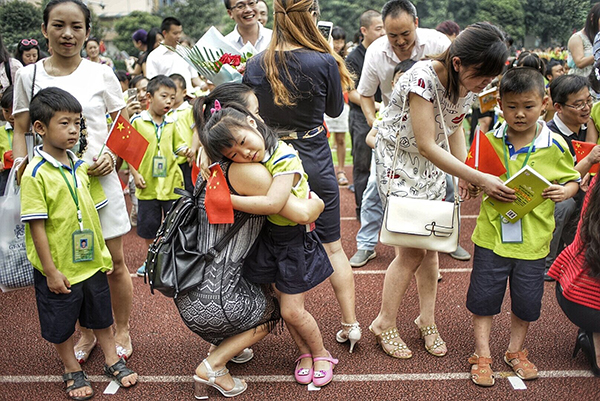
88,302
150,216
318,164
488,285
290,257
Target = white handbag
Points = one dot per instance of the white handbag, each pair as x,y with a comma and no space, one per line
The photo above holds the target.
421,223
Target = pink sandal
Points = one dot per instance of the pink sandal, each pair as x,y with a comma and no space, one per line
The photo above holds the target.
303,375
323,377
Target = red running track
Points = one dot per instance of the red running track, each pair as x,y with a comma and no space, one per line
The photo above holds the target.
166,352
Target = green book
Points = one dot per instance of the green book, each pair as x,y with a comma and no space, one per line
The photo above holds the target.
529,185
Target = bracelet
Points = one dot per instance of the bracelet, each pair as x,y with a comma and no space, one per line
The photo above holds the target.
113,158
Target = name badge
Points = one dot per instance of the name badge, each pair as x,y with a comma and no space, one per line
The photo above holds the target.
83,246
512,233
159,166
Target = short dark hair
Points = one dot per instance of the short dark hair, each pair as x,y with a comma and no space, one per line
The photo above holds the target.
49,101
135,80
521,80
565,85
448,28
366,18
394,8
226,2
91,39
6,101
403,66
178,78
551,64
160,80
168,22
122,76
529,59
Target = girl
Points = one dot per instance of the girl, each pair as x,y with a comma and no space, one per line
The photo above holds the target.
339,126
297,80
285,253
66,26
8,67
28,51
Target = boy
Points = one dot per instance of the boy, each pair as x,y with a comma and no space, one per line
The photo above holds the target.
159,174
517,250
181,113
6,137
64,241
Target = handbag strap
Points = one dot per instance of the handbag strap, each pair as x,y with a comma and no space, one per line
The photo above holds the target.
397,150
33,80
8,72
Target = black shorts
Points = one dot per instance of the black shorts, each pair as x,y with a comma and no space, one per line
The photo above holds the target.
488,285
150,216
88,301
290,257
318,164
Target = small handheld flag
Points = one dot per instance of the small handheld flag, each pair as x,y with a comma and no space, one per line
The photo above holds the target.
483,157
582,149
126,142
217,200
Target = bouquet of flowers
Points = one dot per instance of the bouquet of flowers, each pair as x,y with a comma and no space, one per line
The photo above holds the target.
215,59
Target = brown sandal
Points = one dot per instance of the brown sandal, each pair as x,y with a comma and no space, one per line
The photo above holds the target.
481,371
386,337
521,365
342,179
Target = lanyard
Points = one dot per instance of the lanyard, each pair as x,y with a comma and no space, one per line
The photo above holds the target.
10,138
73,191
505,147
158,132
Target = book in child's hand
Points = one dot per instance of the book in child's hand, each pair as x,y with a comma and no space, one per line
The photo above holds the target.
528,185
488,99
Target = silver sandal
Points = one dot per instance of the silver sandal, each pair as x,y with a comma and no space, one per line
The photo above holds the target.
200,384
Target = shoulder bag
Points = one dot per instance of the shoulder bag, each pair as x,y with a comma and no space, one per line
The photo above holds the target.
421,223
174,265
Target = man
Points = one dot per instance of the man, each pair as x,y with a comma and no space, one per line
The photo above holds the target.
371,28
405,40
263,12
162,61
247,28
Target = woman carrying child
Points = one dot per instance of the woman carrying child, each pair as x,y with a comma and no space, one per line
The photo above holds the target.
66,25
297,80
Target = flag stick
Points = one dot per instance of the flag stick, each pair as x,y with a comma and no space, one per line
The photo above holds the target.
109,132
478,139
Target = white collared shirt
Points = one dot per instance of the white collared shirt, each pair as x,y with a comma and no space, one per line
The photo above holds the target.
380,61
264,38
166,62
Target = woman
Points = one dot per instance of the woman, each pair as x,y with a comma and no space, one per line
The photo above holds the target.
577,275
140,41
581,57
297,80
28,51
235,325
8,67
154,40
470,63
92,49
66,26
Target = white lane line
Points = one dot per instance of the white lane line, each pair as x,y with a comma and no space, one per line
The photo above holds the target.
463,270
548,374
468,216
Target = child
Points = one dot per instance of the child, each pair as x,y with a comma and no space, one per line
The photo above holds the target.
181,113
64,241
158,174
286,254
6,137
517,250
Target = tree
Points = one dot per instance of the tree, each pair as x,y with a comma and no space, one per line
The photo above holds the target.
126,26
20,20
507,14
555,20
197,16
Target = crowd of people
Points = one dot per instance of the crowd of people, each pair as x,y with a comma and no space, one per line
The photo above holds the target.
402,92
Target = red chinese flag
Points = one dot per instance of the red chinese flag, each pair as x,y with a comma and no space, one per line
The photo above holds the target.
582,149
217,200
127,143
8,160
195,173
483,157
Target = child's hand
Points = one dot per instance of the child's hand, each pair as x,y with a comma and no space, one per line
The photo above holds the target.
204,163
585,182
463,189
139,181
58,283
556,193
594,155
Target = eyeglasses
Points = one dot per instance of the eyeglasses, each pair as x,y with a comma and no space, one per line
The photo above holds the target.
27,42
241,6
581,106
